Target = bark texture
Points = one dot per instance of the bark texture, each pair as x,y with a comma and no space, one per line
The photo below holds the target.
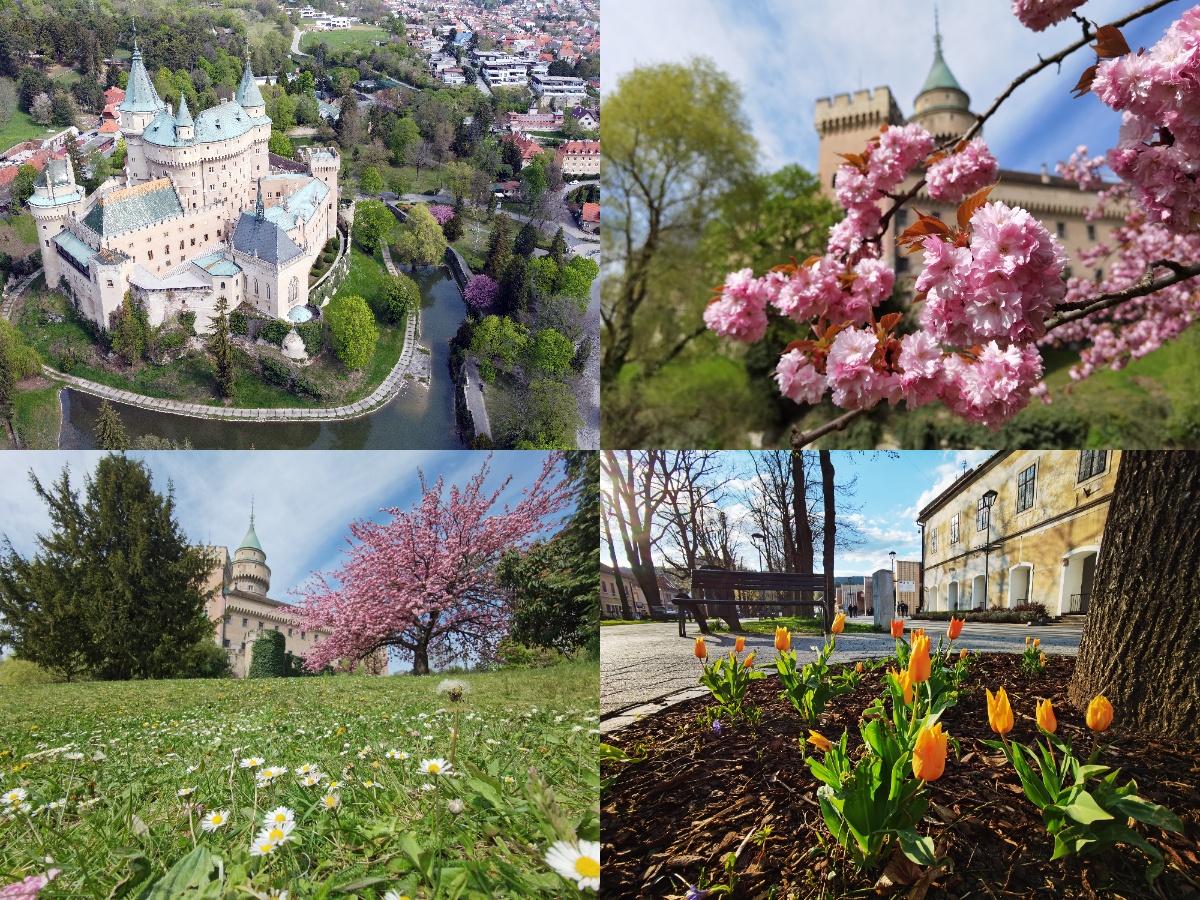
1142,640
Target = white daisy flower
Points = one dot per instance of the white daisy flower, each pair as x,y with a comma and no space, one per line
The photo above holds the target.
435,767
397,754
262,846
16,795
186,792
305,769
313,779
280,815
251,762
73,756
580,864
427,787
331,802
214,820
396,895
274,835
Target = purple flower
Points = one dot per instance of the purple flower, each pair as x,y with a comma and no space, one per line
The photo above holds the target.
716,726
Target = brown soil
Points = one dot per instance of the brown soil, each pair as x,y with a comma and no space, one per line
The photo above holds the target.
699,797
33,383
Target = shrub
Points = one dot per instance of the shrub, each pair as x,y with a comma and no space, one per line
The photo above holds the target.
518,656
1024,612
352,327
304,386
187,321
171,340
400,296
206,660
313,335
275,331
267,655
238,323
276,372
22,672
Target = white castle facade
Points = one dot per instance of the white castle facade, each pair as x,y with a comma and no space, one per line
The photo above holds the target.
205,212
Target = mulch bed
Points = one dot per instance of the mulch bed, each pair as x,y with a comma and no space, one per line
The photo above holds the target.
699,796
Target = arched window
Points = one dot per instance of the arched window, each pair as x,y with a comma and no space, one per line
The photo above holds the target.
256,285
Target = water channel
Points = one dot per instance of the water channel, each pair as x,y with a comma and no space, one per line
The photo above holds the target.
417,418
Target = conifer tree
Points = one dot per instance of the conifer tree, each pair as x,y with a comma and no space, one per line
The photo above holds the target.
558,248
220,348
500,248
110,431
526,241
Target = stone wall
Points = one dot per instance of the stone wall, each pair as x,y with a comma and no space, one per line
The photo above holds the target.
327,285
458,268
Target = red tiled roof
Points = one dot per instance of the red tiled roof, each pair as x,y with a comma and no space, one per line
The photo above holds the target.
110,126
591,212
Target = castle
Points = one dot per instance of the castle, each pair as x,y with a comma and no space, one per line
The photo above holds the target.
942,107
205,212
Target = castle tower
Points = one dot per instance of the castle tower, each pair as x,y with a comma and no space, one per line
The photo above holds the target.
846,123
250,572
138,109
249,97
942,106
56,197
185,128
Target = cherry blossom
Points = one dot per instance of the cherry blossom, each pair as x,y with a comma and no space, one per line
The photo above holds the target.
960,174
441,212
481,292
1038,15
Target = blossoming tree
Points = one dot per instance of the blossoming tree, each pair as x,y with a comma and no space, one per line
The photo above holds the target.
421,586
993,288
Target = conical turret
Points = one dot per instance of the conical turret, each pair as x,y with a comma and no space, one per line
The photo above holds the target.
185,128
942,106
248,95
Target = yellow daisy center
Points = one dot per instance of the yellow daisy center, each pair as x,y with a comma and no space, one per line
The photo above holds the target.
434,768
276,834
587,867
217,818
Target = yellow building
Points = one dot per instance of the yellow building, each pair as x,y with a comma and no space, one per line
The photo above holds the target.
1036,544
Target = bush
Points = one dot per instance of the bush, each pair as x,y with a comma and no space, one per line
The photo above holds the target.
276,372
22,672
313,335
171,340
304,386
512,655
207,660
267,656
1023,612
352,327
275,331
400,296
238,323
187,321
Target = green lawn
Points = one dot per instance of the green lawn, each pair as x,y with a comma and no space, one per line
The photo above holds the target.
37,418
799,625
626,621
22,128
117,778
361,36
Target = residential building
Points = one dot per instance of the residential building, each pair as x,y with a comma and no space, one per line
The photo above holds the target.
535,121
579,158
506,71
610,598
587,119
589,217
908,581
559,87
1038,541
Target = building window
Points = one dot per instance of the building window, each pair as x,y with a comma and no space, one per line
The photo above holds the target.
206,238
1099,274
226,642
228,619
304,635
149,254
289,632
1026,485
276,627
954,529
1091,232
1092,463
1062,229
245,623
193,242
901,219
260,626
982,515
243,645
933,541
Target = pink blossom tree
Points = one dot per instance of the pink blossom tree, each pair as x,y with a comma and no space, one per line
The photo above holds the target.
993,288
422,585
441,212
481,292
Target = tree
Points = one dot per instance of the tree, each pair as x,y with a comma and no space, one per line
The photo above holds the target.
675,138
576,277
558,248
551,353
421,155
370,181
1132,652
421,240
8,101
453,229
458,178
352,326
267,655
404,133
280,145
533,185
422,585
23,185
41,110
349,125
499,338
829,541
526,241
130,330
16,362
516,286
500,248
372,222
401,296
481,292
110,431
555,583
633,497
545,275
116,589
221,349
63,111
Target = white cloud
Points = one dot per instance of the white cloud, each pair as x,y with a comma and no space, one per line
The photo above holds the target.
946,473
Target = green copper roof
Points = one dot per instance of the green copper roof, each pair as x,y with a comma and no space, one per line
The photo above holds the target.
125,209
940,76
184,118
140,95
250,541
248,93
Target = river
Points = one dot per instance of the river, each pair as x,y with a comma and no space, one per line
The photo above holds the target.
417,418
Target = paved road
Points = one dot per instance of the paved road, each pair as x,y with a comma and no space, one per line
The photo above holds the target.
640,663
474,393
587,390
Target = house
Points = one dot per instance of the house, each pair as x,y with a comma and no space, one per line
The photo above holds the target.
589,217
610,598
579,158
529,148
561,87
587,119
535,121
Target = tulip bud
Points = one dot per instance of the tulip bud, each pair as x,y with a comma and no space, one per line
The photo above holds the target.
1099,714
1037,642
1042,659
819,740
1045,716
905,684
897,628
739,645
918,660
748,662
700,651
1027,639
839,623
859,668
929,753
955,628
783,640
962,653
1000,714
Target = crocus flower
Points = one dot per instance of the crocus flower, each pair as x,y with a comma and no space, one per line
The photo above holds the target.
1099,714
955,628
819,740
1045,716
918,660
839,623
716,726
897,628
783,640
929,753
739,645
1000,714
700,651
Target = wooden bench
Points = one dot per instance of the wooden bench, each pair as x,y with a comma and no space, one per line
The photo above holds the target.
728,590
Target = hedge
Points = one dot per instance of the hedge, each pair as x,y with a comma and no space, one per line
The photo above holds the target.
1025,612
268,656
276,372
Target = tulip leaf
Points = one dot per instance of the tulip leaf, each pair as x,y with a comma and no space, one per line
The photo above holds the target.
1032,784
1144,811
1085,810
917,848
1086,772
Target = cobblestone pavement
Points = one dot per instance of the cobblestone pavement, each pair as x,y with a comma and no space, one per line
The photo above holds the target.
646,662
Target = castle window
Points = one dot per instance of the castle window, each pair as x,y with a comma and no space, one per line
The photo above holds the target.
110,283
245,623
226,642
256,285
289,632
1099,274
1062,229
268,292
304,635
1091,232
181,244
149,254
193,242
243,645
206,238
228,619
276,627
222,285
260,626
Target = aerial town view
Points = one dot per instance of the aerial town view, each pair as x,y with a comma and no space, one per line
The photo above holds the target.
343,226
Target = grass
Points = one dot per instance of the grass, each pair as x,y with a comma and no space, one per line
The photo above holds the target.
25,228
626,621
798,625
363,37
37,417
117,755
22,128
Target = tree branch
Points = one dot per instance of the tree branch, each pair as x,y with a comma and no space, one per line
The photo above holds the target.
803,438
1147,284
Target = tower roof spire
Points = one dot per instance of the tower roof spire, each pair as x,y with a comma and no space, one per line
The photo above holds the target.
140,95
940,77
250,541
260,214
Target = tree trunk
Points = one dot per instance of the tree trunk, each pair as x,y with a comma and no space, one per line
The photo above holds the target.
804,535
1142,637
421,657
626,610
827,552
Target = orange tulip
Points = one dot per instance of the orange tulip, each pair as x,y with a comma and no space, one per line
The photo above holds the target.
929,753
905,684
1099,714
1027,640
859,668
1037,642
1042,659
749,661
839,623
819,740
739,645
955,628
783,640
1045,716
897,628
700,651
1000,714
963,653
916,633
918,660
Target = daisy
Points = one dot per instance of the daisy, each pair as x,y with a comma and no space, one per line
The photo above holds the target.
331,801
73,756
251,762
191,769
371,784
214,820
313,779
435,767
396,895
262,847
16,795
427,787
305,769
580,864
280,815
186,792
273,835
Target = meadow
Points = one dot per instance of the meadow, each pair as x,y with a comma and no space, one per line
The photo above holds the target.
317,787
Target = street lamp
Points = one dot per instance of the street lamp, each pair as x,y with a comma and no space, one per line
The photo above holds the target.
989,500
892,554
755,538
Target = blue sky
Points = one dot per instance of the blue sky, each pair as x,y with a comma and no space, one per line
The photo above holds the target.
786,55
303,501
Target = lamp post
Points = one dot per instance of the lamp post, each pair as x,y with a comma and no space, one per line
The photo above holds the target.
754,539
989,500
892,554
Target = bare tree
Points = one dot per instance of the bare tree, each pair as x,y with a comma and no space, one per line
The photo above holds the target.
830,532
633,495
626,609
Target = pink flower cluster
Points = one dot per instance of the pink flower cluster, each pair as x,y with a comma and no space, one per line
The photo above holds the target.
481,292
1083,169
29,887
739,311
441,212
961,174
1158,151
1000,287
1038,15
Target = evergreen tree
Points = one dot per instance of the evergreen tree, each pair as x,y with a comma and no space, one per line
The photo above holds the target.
558,248
349,125
115,589
515,287
500,248
110,431
453,229
220,348
131,330
526,241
